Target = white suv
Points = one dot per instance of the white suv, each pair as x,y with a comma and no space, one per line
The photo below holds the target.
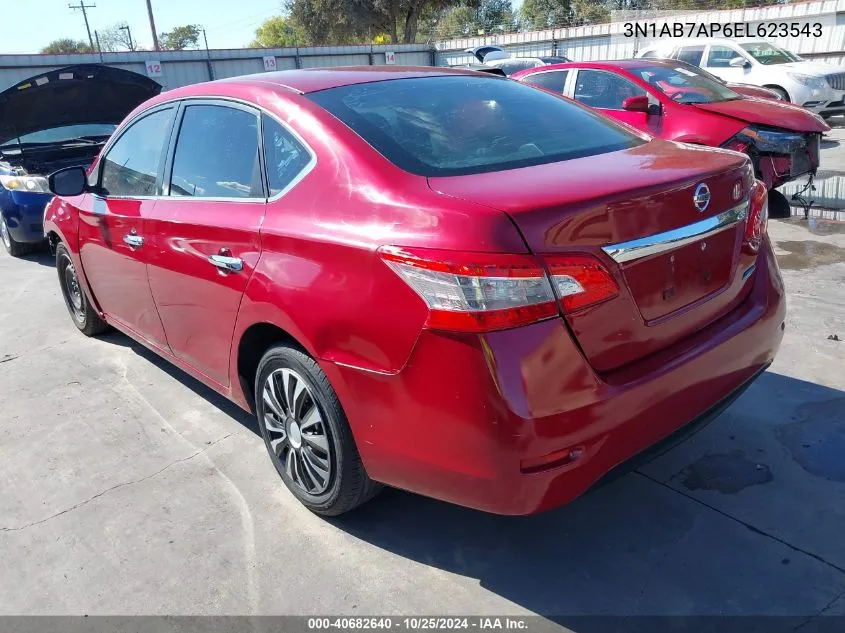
816,86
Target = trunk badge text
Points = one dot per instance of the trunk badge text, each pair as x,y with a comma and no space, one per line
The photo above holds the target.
701,198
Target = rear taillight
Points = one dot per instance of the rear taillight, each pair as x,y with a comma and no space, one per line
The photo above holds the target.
580,281
482,292
758,218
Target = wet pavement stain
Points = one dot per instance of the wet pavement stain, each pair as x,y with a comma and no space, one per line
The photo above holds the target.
809,254
816,438
727,473
818,226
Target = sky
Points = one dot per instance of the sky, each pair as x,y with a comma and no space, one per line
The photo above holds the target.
26,27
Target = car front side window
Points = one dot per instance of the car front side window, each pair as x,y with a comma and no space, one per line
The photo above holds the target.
721,56
130,167
217,154
601,89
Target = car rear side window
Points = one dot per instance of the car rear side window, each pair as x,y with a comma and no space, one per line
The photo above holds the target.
462,124
217,154
285,156
690,54
131,165
553,80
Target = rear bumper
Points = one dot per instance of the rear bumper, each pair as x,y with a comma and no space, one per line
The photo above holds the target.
24,214
463,418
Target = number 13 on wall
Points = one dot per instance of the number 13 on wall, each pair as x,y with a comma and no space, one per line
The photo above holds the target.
269,63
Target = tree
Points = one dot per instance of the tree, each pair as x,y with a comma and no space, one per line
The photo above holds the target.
116,38
180,38
66,46
487,17
348,21
278,32
545,14
589,12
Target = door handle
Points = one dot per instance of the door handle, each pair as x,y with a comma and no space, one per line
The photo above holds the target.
226,263
134,241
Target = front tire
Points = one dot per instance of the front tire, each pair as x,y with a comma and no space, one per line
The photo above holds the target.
307,435
784,95
83,314
14,248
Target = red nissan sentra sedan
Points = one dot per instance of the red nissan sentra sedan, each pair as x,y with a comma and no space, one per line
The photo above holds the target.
435,279
669,100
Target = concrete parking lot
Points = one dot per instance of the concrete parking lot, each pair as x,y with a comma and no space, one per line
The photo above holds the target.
129,488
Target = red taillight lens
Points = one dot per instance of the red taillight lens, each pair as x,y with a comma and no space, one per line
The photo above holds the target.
580,281
474,292
758,218
482,292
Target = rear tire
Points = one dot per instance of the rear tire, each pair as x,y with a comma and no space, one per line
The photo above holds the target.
83,314
15,249
307,435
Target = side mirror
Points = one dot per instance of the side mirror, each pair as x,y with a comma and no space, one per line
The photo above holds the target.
739,62
636,104
70,181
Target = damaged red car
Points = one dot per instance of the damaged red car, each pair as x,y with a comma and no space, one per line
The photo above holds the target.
439,280
667,100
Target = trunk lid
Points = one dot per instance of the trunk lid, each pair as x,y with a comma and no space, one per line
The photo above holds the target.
617,206
775,114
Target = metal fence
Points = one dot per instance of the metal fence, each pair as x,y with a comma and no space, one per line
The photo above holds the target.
179,68
606,41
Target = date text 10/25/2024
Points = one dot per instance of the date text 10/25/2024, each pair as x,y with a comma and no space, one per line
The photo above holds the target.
717,29
417,623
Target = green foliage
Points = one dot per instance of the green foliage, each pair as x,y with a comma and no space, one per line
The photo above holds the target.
354,21
66,46
487,17
589,12
544,14
180,38
278,32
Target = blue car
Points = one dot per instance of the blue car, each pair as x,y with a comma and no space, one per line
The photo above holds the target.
61,118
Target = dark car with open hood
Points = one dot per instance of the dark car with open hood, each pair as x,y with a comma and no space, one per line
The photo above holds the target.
58,119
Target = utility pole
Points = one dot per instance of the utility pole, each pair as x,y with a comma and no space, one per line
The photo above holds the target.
83,7
207,56
152,24
99,48
126,28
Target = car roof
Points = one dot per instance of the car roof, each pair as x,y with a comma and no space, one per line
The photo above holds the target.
308,80
619,64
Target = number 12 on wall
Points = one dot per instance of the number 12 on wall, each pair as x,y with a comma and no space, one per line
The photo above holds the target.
154,69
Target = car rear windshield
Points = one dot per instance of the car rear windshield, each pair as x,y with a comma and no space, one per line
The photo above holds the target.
450,126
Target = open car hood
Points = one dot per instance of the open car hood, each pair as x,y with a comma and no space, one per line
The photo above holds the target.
86,93
767,112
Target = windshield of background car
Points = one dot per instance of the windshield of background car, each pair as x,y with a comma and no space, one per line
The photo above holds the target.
450,126
768,54
684,86
65,133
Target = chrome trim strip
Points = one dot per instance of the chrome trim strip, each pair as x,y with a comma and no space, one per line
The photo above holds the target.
676,238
